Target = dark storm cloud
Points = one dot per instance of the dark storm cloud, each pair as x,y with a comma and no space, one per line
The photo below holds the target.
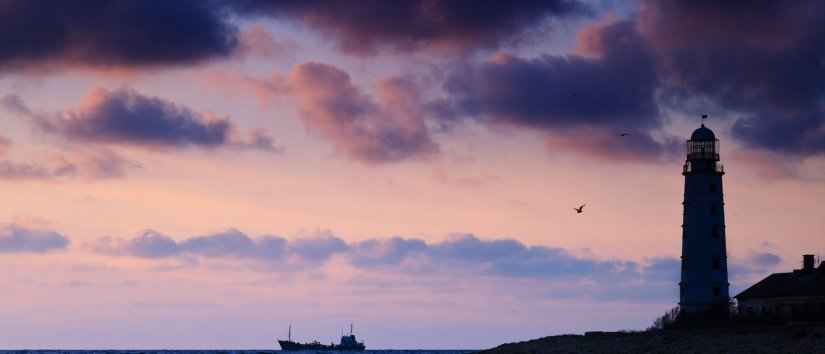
362,27
127,117
762,60
145,34
605,89
14,239
112,33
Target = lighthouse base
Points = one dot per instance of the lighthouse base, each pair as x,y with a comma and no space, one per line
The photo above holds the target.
703,315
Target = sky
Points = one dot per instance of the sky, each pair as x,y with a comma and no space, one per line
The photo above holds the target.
206,174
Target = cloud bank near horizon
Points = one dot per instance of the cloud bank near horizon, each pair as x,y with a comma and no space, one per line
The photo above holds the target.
463,255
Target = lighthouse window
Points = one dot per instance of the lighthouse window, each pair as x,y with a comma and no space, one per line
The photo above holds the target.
717,263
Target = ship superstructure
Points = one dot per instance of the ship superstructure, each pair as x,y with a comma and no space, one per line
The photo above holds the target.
348,343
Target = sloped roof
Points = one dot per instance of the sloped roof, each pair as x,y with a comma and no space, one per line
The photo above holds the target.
787,284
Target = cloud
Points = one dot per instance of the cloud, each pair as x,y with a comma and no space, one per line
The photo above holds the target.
461,255
228,243
389,130
126,117
273,250
134,34
466,252
762,61
99,163
375,253
91,164
765,259
365,27
10,170
580,101
501,257
14,104
102,33
103,164
256,41
150,244
19,239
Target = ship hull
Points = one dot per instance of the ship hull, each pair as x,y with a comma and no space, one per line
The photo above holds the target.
291,346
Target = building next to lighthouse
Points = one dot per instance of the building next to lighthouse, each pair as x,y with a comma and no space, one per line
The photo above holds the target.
703,289
793,296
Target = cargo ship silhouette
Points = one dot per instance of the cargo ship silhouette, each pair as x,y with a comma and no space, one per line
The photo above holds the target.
348,343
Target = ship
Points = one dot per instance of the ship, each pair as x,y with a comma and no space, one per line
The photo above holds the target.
348,343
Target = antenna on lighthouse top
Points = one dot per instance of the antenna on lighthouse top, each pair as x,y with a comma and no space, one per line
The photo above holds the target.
704,116
289,336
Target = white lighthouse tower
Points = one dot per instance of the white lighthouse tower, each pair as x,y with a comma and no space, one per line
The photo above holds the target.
703,289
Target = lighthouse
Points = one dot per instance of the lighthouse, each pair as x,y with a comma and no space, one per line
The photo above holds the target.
703,289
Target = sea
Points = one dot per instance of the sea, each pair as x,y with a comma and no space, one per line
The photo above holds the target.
375,351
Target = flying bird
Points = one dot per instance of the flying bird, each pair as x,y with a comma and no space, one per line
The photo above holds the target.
579,210
624,134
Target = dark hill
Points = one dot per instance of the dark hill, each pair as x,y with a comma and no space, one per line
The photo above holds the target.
788,339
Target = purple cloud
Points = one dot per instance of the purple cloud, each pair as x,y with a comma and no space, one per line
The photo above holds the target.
461,255
126,117
582,101
227,244
365,27
19,239
104,33
764,61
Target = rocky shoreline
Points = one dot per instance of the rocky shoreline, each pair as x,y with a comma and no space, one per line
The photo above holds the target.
787,339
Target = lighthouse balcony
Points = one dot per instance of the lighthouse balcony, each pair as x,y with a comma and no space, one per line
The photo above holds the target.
703,155
714,167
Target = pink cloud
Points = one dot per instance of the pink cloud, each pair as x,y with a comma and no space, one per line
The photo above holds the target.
257,41
391,128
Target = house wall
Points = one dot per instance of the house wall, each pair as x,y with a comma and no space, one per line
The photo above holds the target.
800,308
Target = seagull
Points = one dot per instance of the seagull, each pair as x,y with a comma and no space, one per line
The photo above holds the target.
624,134
579,209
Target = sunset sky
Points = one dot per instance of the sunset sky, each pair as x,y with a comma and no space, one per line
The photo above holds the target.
202,174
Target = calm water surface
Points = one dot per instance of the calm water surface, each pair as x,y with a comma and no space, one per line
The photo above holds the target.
228,352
